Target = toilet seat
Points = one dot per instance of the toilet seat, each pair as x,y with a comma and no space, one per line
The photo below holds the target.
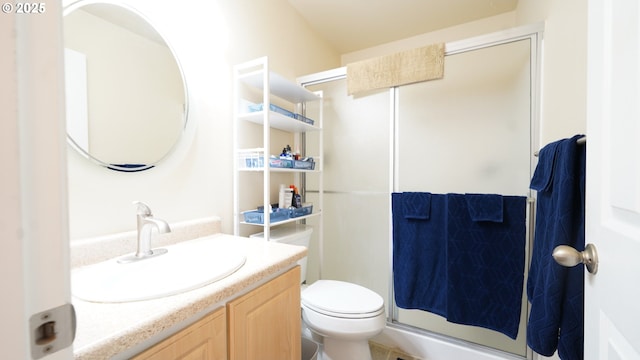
342,299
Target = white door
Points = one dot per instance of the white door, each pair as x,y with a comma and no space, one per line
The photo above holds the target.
612,296
34,261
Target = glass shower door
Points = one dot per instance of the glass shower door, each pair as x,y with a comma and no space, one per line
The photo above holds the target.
468,133
356,201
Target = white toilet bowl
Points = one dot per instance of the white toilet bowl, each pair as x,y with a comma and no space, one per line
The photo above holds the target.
345,315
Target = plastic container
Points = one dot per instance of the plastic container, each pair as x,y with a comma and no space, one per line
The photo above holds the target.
306,209
251,158
257,216
306,165
294,234
274,108
280,163
304,119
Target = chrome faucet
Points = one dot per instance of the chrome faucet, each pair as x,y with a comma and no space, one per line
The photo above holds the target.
146,223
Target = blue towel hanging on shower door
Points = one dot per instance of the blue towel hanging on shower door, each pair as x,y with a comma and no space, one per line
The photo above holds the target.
419,251
556,293
467,271
485,260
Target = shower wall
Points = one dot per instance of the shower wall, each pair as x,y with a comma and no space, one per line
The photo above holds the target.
469,132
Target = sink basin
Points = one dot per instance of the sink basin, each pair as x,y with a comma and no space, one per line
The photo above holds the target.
186,266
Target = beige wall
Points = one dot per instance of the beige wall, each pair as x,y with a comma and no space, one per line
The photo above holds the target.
461,32
209,37
564,84
563,112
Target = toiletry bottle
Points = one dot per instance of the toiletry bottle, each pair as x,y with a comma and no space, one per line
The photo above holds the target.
281,195
288,198
297,199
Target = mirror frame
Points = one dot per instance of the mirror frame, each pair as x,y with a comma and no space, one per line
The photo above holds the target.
81,3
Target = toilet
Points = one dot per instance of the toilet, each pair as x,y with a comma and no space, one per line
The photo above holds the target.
345,315
341,316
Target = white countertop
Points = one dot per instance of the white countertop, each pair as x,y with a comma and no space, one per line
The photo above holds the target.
105,331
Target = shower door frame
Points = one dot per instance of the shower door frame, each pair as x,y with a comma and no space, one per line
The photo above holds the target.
534,33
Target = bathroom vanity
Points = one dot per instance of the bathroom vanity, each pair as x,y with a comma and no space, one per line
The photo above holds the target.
267,314
210,322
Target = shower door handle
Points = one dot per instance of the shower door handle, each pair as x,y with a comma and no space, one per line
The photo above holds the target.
569,257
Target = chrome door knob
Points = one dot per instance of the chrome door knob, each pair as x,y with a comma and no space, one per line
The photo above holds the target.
569,257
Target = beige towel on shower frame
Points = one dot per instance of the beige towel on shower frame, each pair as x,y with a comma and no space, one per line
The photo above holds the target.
406,67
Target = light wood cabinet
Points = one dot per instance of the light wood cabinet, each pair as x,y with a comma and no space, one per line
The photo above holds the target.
265,323
262,324
204,340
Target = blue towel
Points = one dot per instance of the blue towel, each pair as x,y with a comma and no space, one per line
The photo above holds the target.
469,272
419,252
556,293
416,205
485,260
485,207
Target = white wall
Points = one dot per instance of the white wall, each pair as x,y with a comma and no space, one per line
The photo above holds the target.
209,37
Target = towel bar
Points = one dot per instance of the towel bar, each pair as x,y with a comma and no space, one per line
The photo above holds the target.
581,141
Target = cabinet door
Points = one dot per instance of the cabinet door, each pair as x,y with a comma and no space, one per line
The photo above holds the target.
204,340
265,323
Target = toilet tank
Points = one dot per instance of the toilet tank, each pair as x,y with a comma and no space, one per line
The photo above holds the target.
294,234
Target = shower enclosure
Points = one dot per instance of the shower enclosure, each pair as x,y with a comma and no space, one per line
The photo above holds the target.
474,131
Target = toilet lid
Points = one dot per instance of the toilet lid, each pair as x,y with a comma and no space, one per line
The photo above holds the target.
342,299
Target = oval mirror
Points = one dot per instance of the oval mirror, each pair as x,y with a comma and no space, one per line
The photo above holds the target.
126,93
